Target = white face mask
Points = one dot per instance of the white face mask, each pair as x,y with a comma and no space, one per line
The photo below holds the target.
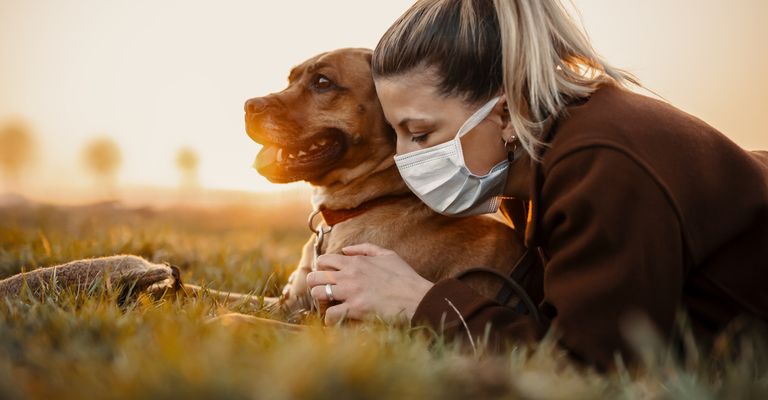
439,176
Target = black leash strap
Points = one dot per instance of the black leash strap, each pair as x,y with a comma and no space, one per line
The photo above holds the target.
519,271
511,285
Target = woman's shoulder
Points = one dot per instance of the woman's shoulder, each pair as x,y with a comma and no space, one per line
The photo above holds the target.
645,127
700,170
671,144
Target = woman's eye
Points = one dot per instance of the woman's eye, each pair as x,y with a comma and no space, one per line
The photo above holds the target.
322,83
419,137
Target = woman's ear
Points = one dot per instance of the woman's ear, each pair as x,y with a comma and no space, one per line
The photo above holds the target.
501,117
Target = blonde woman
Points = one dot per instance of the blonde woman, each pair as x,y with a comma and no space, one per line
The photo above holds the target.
634,207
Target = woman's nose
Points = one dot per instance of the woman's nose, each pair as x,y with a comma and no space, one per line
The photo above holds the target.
402,147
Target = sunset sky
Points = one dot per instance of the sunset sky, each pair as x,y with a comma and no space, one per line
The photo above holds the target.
161,75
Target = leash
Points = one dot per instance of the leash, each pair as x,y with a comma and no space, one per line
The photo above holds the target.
511,285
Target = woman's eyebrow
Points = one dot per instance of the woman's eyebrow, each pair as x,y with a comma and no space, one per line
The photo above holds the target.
406,120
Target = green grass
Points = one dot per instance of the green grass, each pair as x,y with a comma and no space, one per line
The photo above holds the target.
65,345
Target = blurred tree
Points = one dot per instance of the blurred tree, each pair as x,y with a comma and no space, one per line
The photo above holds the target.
17,147
102,157
187,160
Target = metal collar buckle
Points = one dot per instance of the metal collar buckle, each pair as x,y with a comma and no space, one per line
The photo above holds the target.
320,233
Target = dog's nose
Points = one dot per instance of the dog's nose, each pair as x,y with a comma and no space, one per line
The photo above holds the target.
256,105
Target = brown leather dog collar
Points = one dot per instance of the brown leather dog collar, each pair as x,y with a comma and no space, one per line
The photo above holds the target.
333,216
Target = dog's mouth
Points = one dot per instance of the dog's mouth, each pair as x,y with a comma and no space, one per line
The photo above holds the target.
282,163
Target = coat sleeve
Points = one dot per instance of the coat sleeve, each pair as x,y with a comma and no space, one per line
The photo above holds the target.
615,248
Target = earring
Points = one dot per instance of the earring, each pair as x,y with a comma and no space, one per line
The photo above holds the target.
511,154
513,140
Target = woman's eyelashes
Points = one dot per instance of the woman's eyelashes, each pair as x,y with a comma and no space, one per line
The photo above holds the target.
419,134
419,137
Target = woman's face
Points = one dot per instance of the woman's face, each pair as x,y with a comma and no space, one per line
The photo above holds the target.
422,118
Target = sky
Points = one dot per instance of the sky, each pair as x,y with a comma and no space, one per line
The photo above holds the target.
161,75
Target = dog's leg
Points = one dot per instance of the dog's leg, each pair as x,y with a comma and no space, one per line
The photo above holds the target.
230,297
296,292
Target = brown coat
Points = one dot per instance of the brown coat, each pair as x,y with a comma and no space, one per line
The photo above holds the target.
638,207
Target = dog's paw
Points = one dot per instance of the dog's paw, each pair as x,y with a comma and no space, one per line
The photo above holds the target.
287,288
296,287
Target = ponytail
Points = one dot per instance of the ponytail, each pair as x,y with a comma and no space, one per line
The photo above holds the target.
547,60
533,50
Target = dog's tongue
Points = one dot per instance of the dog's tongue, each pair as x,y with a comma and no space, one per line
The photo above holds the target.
267,156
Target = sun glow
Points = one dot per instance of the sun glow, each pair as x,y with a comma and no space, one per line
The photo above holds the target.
157,77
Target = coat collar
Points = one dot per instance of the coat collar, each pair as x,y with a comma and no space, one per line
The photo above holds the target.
524,214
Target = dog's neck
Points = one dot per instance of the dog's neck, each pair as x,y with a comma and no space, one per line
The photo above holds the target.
382,180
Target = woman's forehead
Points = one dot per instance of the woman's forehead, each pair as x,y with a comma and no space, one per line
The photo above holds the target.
406,86
413,95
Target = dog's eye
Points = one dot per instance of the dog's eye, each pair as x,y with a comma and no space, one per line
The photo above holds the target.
322,83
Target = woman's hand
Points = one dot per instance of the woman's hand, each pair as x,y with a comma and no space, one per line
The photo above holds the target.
368,281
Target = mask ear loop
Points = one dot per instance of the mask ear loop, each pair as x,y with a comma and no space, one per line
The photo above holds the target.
473,121
478,117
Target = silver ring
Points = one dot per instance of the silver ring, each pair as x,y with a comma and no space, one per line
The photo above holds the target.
329,291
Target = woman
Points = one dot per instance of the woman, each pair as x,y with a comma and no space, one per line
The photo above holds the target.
636,208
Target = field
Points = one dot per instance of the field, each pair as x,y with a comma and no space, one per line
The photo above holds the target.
66,345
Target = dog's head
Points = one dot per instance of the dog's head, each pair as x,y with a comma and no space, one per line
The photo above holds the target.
326,126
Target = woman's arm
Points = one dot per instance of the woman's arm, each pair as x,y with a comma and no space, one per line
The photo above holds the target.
451,304
616,250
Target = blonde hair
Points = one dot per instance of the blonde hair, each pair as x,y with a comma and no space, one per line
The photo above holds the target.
532,49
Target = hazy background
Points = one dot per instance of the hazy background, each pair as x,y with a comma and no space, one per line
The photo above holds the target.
158,76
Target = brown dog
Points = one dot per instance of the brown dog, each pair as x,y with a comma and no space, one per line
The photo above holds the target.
327,128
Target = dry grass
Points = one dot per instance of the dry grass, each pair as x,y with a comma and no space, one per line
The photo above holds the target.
66,345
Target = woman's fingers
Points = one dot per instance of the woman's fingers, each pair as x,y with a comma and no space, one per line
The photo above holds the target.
316,278
365,249
330,262
320,293
367,280
337,313
327,262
